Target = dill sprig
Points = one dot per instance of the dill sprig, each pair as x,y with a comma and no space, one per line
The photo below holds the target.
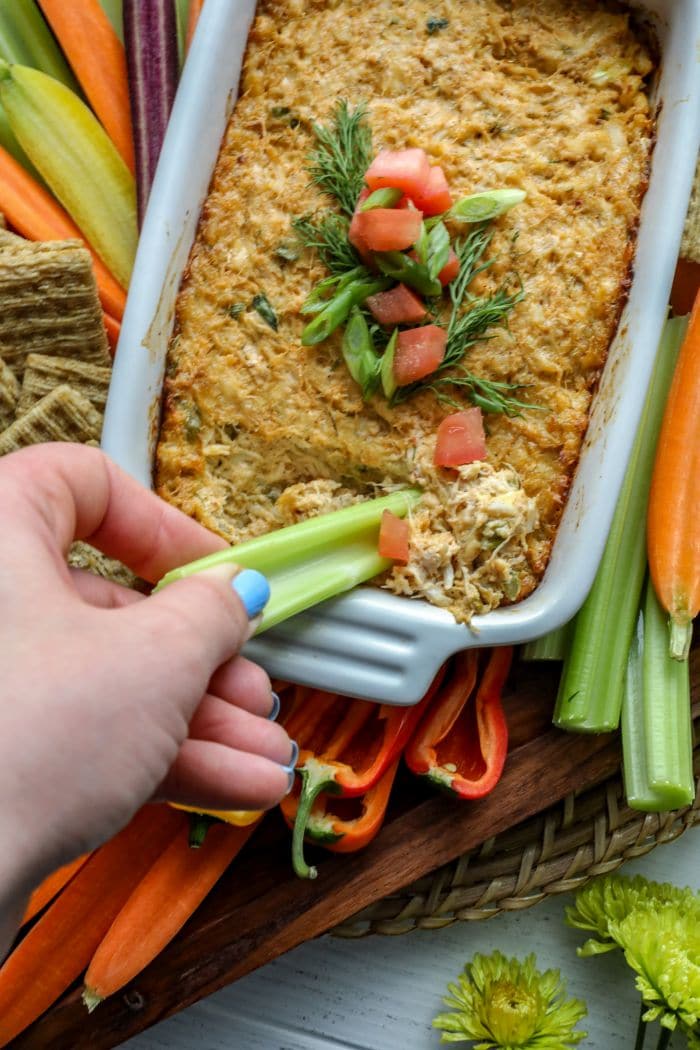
342,155
328,235
470,319
491,395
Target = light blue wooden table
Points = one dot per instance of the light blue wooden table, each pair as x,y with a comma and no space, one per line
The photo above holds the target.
380,993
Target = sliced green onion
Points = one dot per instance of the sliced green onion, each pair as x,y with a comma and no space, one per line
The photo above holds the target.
421,245
25,39
320,295
333,315
438,249
590,691
402,268
358,351
552,646
317,559
384,198
262,306
387,368
478,207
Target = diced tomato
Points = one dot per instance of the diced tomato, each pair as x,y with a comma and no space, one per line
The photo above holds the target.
460,439
399,306
419,351
404,169
393,537
435,197
388,229
450,269
356,240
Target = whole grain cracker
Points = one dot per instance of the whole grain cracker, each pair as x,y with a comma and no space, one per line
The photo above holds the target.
43,373
83,556
63,415
9,394
49,302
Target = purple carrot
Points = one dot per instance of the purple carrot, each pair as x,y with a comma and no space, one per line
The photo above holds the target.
150,38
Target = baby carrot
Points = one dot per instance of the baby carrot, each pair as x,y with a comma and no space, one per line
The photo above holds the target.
59,947
673,521
33,213
98,59
159,907
51,887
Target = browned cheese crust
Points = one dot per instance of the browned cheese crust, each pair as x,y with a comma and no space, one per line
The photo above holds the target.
550,96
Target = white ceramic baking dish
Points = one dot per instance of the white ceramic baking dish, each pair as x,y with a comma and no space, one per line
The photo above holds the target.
370,643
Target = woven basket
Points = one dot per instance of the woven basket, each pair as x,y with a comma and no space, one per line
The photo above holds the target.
560,850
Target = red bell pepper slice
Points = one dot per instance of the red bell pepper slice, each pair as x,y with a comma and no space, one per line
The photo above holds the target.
460,745
336,824
345,747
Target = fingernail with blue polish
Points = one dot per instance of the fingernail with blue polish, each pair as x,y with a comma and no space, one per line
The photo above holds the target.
253,590
290,781
276,705
293,760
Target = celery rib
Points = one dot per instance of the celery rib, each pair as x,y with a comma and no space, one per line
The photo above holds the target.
657,732
590,691
552,646
314,560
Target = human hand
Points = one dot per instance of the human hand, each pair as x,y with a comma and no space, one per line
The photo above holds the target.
101,686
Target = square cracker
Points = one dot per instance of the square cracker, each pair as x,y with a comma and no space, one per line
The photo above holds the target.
43,373
63,415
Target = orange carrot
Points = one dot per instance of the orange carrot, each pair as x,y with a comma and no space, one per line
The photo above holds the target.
686,283
58,948
36,215
51,887
160,906
194,12
113,328
99,62
673,522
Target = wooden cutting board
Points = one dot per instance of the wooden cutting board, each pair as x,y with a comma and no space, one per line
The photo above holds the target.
260,910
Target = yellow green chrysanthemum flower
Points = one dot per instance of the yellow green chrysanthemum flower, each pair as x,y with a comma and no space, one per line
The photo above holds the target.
510,1005
609,899
663,948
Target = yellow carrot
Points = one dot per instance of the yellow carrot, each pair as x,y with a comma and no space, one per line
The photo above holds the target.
78,161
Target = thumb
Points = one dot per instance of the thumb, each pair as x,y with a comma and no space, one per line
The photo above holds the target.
198,623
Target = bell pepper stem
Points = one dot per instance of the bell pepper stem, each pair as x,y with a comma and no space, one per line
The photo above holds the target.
199,826
315,778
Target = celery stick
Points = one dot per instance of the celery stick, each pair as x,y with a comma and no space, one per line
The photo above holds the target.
638,790
314,560
113,10
590,691
668,729
26,39
552,646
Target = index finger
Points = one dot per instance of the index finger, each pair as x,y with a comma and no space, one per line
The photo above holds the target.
76,492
